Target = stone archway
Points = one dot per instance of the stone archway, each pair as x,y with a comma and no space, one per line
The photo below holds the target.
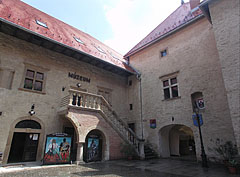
28,134
95,145
177,140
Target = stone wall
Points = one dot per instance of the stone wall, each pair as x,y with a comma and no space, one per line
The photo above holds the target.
225,15
193,57
88,121
16,103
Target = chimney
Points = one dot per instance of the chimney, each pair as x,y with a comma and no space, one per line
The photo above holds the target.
182,2
194,3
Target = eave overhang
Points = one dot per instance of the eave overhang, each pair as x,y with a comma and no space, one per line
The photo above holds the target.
25,34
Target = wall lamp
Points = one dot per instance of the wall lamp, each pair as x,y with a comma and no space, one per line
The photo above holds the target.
32,112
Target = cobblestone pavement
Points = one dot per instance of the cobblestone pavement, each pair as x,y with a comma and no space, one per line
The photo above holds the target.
151,168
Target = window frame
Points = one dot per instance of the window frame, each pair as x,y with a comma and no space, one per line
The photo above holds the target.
168,78
36,69
165,50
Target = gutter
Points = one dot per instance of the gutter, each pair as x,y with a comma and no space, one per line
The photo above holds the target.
59,43
166,35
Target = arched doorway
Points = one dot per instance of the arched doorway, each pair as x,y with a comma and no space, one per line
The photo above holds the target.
177,141
25,140
93,149
70,129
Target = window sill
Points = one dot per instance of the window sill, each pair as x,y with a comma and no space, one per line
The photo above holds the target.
175,98
33,91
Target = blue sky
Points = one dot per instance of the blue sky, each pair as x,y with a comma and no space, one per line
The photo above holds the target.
120,24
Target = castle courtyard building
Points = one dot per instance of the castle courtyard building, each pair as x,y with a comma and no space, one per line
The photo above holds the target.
58,80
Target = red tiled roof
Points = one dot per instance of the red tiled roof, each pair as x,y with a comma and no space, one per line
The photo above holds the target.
179,17
24,15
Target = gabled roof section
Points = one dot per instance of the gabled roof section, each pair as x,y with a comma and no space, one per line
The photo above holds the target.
182,15
25,16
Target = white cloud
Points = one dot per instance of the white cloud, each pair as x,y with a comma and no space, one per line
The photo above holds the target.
132,20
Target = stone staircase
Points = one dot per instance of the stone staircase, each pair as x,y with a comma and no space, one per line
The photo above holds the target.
92,102
149,152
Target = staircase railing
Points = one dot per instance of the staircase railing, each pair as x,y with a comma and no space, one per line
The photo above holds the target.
98,103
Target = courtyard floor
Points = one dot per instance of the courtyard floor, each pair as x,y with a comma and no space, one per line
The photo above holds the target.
156,167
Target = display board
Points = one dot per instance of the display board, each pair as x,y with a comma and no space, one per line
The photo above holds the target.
57,149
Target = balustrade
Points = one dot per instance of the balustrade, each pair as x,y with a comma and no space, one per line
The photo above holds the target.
86,100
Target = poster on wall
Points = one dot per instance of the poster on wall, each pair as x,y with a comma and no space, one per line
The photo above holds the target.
93,149
57,149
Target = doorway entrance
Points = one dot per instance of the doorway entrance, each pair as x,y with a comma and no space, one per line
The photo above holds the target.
93,146
24,147
24,143
177,141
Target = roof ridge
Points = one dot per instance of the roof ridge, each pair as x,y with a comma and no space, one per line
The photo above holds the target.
131,51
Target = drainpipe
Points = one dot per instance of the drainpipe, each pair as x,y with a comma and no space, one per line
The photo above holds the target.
138,76
141,143
140,95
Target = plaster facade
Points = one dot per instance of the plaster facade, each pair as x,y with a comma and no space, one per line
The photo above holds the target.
192,57
203,57
16,102
225,18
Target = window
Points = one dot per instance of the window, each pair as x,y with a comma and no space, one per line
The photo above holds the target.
131,106
132,126
170,88
106,93
99,49
41,24
78,40
164,53
34,79
130,82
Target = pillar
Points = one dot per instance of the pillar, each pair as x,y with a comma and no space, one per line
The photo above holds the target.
80,152
141,150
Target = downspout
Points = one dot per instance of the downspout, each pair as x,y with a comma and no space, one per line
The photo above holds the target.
140,92
138,76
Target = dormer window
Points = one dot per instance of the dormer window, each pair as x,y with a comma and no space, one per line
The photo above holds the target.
41,24
100,49
113,55
78,40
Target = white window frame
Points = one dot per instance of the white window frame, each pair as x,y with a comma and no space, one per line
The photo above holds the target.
169,77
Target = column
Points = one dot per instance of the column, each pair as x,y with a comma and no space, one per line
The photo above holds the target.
141,150
80,153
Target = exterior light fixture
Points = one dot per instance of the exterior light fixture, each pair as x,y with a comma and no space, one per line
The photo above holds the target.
32,112
78,85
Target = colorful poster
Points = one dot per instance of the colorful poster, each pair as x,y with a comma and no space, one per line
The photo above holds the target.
93,149
57,150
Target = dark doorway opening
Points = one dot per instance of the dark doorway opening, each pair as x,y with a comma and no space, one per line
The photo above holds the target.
24,147
93,147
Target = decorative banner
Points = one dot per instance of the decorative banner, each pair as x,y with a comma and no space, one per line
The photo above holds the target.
57,149
153,123
200,103
195,121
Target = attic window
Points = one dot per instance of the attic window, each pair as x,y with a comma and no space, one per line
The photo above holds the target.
41,24
164,53
113,55
78,40
99,49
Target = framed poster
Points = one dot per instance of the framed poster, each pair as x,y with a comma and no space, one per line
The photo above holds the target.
92,149
57,149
